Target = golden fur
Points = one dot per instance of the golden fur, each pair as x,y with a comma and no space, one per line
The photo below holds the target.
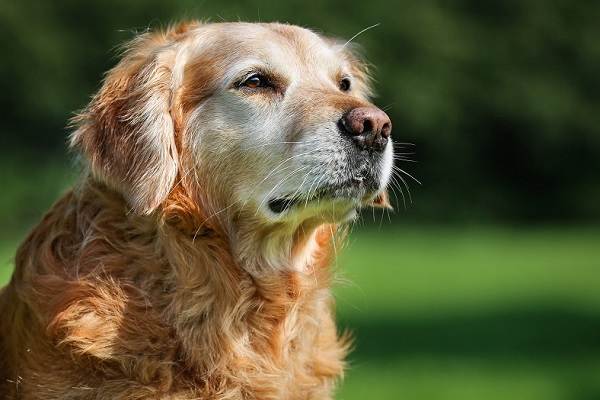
162,274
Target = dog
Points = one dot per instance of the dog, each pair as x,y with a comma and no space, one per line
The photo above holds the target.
192,259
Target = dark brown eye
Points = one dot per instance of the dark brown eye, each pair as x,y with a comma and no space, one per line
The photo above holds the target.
255,82
345,84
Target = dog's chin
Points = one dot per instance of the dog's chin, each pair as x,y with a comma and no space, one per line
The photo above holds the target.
333,205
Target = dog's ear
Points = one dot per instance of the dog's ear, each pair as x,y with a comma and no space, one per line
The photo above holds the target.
127,131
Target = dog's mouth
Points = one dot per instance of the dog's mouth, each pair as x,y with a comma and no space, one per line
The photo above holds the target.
281,205
354,193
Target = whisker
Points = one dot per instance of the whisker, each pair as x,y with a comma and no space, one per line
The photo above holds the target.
399,176
381,220
183,176
389,214
388,107
274,170
295,193
209,217
249,196
258,146
401,171
359,33
394,183
299,188
316,184
283,162
402,145
333,242
403,158
283,180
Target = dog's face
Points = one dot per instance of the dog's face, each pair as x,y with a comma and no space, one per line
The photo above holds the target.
270,121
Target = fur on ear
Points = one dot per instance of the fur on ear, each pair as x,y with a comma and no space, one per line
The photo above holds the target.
127,131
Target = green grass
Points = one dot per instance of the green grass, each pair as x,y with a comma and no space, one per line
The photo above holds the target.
441,313
432,270
472,314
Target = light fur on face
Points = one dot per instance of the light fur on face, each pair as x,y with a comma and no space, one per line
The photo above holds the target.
192,259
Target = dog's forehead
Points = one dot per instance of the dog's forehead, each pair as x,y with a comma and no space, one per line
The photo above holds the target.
272,44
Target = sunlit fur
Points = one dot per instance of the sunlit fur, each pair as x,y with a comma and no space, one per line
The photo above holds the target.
162,273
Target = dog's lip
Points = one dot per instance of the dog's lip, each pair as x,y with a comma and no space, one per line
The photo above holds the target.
279,205
354,192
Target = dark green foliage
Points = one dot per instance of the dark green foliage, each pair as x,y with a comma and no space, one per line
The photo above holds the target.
501,98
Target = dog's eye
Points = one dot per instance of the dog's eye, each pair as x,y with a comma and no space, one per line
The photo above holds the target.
345,84
256,81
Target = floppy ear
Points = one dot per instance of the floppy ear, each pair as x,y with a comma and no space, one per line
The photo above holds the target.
127,132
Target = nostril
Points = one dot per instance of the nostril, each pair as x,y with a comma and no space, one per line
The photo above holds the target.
353,124
386,130
367,126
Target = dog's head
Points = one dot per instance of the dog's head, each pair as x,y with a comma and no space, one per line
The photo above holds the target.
267,120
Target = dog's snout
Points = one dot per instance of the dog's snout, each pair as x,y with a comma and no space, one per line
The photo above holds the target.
369,127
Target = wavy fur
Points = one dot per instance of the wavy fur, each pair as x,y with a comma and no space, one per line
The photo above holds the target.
159,275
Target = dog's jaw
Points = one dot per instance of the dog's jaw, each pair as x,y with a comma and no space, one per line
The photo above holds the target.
331,191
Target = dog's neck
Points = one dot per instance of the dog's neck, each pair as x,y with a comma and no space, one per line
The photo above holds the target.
264,253
242,273
255,246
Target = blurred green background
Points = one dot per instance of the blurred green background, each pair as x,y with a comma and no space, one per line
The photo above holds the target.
487,284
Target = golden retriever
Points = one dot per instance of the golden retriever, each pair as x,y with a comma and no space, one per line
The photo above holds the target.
192,258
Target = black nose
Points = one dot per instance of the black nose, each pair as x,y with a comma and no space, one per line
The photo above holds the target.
369,127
